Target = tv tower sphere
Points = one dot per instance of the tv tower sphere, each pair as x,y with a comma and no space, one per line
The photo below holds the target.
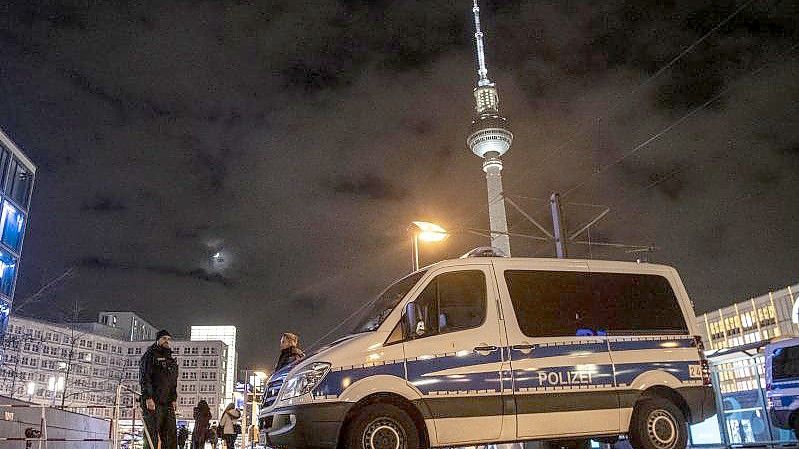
489,138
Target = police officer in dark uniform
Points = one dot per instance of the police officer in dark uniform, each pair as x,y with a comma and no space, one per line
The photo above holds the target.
158,378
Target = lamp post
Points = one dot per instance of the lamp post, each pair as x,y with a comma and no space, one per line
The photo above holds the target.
256,379
31,390
423,231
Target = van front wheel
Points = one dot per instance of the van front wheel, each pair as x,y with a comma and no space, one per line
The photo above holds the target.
658,424
382,426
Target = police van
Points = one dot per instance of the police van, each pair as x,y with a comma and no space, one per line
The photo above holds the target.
782,383
483,350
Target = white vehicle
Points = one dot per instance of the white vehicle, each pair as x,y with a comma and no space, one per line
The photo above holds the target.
489,349
782,383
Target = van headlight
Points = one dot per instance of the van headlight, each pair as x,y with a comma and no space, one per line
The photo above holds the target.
305,381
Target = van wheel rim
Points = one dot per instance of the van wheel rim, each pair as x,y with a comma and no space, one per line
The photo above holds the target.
662,429
384,433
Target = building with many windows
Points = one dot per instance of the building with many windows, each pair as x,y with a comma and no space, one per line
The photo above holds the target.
132,326
82,365
16,184
734,339
774,314
226,334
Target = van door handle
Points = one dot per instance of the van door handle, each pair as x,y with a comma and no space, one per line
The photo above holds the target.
524,348
485,349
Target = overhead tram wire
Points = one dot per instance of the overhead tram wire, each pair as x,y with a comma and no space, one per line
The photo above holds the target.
673,125
619,101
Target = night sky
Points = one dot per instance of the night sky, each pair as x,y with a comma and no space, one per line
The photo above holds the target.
300,138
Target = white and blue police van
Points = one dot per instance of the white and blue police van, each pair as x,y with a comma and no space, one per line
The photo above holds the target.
782,383
483,350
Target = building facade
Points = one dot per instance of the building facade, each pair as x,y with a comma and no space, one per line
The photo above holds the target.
132,326
49,363
226,334
16,185
774,314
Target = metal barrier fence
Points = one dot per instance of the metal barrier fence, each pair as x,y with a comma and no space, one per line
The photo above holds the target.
743,418
39,435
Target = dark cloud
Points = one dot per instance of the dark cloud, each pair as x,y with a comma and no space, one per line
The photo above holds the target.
368,186
104,203
196,274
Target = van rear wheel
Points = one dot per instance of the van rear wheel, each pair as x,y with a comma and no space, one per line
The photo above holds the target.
658,424
382,426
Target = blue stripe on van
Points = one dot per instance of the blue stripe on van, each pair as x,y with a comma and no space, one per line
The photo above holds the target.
419,370
601,375
337,381
627,372
652,344
784,385
563,349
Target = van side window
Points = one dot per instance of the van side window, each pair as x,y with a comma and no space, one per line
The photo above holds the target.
570,303
785,364
452,302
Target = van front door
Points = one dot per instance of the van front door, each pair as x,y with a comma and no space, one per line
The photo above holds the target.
454,355
563,376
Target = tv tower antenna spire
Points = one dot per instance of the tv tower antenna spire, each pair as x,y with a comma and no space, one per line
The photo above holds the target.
489,139
482,71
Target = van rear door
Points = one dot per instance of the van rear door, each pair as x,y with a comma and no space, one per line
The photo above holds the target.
562,372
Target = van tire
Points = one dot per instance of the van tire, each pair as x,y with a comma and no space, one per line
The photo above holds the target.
382,424
658,424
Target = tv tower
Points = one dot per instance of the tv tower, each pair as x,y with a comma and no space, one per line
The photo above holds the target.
489,138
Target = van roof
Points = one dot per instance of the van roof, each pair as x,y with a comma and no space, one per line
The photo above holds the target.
558,264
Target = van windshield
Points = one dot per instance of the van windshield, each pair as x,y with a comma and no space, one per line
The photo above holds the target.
377,310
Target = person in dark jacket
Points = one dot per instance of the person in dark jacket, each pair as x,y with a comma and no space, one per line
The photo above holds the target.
202,420
290,351
158,379
183,435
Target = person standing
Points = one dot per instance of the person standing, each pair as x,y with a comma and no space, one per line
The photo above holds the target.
202,420
227,425
183,435
290,351
213,436
158,379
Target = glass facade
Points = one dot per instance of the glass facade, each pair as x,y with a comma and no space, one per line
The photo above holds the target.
16,185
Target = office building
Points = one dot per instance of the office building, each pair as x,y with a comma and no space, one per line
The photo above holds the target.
774,314
226,334
133,327
16,184
83,364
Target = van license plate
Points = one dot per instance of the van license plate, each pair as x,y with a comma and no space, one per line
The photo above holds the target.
695,371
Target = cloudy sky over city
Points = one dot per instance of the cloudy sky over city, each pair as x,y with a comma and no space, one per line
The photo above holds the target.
298,139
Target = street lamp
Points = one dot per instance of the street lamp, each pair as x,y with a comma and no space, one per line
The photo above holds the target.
31,390
423,231
256,379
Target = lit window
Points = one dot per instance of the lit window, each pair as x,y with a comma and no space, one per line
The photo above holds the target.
11,225
8,271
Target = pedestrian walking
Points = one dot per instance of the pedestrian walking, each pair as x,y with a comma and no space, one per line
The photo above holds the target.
183,436
253,434
213,436
158,379
228,424
202,421
290,351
